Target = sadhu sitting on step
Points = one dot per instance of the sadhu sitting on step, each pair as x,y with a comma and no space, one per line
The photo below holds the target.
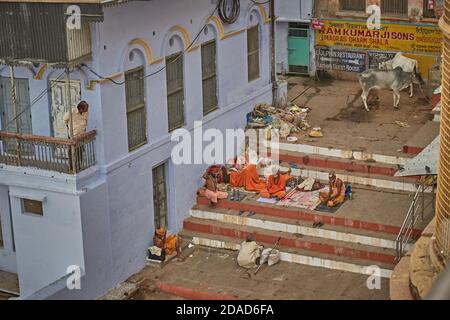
213,176
169,244
276,184
249,177
336,195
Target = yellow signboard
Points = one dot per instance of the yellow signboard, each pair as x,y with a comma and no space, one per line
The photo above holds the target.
408,38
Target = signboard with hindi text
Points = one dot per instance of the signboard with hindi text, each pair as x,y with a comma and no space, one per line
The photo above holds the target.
340,60
393,37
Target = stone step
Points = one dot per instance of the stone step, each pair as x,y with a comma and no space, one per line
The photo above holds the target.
293,255
422,138
404,184
353,222
329,151
334,163
293,226
369,254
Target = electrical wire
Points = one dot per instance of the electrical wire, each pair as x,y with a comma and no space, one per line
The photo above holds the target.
229,15
265,2
221,4
119,83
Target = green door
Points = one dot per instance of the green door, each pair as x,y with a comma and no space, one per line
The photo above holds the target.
298,48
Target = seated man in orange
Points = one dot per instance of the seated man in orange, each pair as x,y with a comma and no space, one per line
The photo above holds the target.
213,176
336,195
249,177
169,244
276,185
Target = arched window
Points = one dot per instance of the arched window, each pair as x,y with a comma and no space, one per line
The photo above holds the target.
209,71
175,83
136,110
135,99
253,48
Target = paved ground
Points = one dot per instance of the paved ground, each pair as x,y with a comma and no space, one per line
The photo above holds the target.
215,271
9,282
4,296
337,108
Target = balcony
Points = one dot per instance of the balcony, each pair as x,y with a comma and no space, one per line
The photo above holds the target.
48,153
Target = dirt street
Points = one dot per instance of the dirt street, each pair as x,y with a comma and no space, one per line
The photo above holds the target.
216,271
337,108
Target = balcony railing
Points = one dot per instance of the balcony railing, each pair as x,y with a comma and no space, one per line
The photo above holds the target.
48,153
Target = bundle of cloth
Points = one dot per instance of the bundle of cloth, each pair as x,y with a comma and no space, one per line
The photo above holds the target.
252,255
164,245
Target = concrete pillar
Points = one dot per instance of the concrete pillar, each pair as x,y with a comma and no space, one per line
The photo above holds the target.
441,244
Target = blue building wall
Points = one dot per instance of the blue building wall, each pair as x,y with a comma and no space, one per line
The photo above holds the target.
116,197
288,11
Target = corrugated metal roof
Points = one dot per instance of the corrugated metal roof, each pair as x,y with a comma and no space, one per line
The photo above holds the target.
425,163
37,31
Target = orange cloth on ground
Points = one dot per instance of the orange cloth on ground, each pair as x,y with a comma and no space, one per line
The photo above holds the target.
247,178
339,197
170,244
276,189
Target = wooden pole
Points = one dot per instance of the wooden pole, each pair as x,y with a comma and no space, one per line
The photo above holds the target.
15,115
273,53
14,99
69,108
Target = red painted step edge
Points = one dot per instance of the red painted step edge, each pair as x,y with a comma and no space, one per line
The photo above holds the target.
306,216
191,294
292,243
338,165
412,150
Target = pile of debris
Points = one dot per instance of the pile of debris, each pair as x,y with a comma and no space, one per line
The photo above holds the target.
284,121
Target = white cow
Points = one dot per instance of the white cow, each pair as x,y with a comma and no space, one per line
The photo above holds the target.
407,65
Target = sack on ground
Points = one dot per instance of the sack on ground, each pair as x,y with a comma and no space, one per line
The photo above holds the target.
271,256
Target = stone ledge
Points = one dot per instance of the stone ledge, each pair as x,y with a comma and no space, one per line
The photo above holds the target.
422,272
415,274
399,283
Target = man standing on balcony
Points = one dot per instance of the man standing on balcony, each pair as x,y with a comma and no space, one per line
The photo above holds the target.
80,116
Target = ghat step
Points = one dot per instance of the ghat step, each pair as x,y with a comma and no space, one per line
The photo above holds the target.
295,226
405,184
309,245
290,254
296,214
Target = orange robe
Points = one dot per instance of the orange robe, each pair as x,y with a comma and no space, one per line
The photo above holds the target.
278,189
247,178
171,244
337,196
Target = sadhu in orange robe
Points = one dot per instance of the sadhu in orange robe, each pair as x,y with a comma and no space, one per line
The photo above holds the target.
276,188
336,196
247,178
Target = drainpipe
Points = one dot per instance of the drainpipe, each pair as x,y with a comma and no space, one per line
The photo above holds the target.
272,42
